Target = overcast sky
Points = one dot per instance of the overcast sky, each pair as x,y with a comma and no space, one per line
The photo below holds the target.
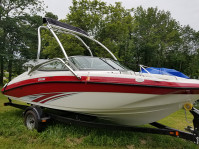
184,11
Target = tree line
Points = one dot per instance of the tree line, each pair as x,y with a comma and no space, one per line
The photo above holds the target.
136,36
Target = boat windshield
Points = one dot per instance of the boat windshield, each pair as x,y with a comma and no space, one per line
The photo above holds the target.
94,63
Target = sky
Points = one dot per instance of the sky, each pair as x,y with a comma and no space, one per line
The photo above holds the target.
184,11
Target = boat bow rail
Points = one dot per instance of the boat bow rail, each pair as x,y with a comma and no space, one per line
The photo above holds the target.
55,59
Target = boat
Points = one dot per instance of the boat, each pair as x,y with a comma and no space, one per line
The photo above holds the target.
99,86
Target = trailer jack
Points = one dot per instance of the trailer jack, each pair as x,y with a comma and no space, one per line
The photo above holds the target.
195,131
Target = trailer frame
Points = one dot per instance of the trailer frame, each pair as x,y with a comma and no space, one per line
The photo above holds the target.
42,117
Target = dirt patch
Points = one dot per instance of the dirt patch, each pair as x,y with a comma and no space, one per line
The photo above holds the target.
130,147
143,142
75,141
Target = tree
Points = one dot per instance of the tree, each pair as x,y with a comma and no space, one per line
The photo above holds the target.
190,46
51,15
14,18
117,32
156,34
87,15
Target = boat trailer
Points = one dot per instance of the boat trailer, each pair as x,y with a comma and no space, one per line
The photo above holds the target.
35,117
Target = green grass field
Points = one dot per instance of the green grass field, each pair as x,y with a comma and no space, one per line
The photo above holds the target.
14,135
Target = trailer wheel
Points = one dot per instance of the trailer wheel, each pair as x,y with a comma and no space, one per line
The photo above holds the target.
31,121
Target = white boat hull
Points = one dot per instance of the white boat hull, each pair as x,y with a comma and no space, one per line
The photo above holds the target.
124,108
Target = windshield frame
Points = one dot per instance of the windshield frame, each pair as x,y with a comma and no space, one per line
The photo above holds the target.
104,60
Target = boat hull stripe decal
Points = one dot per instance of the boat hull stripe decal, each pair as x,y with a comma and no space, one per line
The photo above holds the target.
53,98
44,97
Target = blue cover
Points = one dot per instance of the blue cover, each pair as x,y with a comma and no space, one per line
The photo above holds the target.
165,71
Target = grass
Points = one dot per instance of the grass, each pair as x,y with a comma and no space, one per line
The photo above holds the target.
13,134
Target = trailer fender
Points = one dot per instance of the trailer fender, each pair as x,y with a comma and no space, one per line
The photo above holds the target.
38,111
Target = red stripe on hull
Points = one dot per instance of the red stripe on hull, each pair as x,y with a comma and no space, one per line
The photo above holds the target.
82,87
97,84
112,80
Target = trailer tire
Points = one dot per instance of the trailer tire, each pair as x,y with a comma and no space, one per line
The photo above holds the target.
31,121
